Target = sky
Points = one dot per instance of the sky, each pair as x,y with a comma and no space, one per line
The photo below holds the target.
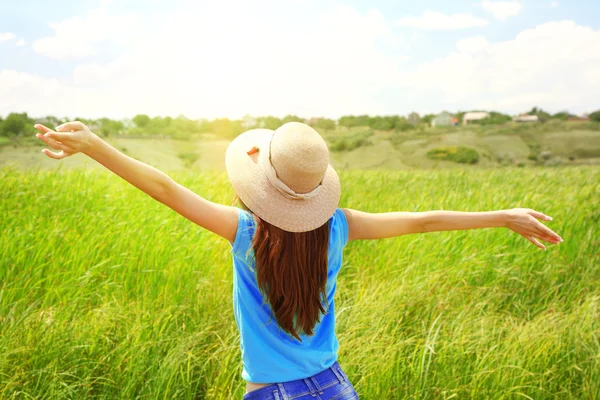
311,58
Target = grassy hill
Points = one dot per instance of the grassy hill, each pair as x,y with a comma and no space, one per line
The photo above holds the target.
551,143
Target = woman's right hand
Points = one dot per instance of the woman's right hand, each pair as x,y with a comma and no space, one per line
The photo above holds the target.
69,138
524,221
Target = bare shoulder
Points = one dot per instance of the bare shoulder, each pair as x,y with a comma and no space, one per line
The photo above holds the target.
352,217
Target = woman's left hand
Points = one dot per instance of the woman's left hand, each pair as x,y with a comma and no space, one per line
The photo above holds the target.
524,221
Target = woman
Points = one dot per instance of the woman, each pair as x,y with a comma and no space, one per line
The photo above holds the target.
287,244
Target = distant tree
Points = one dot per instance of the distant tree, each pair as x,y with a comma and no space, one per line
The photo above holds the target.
182,128
291,118
351,121
595,116
384,123
322,123
460,115
562,115
226,128
426,119
402,124
141,120
110,127
495,118
16,124
363,120
268,122
204,125
348,121
156,125
541,114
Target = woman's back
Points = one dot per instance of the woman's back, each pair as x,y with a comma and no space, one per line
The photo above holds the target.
270,354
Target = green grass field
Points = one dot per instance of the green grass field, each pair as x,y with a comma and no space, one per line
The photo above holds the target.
108,294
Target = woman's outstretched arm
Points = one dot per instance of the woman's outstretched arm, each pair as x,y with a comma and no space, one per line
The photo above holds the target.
363,225
75,137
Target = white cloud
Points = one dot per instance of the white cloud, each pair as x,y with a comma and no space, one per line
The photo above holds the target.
554,4
210,62
75,37
555,65
502,9
4,37
20,42
438,21
21,91
472,44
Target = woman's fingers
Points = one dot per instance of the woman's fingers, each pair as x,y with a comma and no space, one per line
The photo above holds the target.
59,135
546,238
56,156
51,142
49,137
534,241
540,215
70,126
42,128
543,230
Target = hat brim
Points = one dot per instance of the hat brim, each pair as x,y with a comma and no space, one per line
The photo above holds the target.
263,199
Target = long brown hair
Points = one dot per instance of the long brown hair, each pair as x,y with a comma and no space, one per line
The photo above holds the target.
292,274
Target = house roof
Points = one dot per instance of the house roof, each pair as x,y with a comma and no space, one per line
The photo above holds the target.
475,115
526,118
577,118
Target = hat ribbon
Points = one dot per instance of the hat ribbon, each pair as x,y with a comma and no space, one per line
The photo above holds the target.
278,184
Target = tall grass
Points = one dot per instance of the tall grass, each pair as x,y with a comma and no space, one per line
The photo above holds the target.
105,293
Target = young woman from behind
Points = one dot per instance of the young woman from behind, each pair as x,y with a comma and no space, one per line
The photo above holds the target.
286,242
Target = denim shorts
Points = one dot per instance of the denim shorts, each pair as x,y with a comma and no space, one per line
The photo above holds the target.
329,384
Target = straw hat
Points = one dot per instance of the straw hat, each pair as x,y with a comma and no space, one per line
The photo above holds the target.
284,176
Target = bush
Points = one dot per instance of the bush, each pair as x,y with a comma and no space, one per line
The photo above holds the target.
459,154
403,125
553,162
339,145
188,158
354,142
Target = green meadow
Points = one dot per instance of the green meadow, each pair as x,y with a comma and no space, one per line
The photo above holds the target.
107,294
553,143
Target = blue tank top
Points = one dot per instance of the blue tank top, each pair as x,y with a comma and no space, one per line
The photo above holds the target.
269,354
